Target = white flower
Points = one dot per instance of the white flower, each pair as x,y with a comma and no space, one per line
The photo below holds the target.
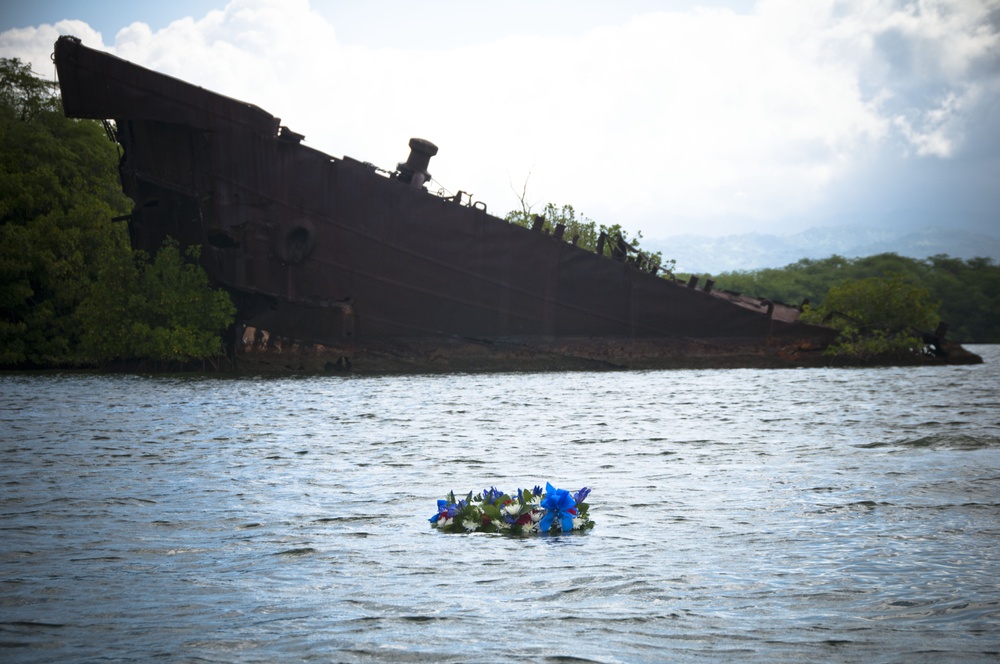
443,522
470,525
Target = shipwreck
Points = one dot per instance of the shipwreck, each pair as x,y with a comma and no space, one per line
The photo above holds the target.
335,264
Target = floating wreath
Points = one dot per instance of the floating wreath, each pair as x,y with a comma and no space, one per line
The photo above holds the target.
524,511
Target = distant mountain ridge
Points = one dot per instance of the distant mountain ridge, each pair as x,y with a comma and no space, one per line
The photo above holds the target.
752,251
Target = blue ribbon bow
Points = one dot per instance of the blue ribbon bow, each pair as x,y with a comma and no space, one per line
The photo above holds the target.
558,503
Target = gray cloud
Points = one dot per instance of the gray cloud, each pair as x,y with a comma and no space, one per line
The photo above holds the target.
765,119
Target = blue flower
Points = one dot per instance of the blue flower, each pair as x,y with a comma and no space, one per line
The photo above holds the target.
537,491
447,509
581,495
490,497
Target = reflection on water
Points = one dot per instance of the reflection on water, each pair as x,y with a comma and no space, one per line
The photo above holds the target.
847,515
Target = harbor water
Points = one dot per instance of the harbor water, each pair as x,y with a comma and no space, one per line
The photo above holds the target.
845,515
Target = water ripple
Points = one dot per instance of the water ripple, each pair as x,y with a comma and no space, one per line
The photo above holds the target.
829,515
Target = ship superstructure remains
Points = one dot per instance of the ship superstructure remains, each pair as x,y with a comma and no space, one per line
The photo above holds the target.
334,263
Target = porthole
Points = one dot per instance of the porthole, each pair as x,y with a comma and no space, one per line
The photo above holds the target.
293,245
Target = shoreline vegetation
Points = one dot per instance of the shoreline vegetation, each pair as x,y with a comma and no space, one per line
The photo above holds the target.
75,295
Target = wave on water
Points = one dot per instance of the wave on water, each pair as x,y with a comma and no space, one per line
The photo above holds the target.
278,519
945,441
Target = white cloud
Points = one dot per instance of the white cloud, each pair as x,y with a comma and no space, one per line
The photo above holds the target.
927,63
35,44
668,120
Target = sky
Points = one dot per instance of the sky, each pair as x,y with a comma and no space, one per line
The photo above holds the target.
669,118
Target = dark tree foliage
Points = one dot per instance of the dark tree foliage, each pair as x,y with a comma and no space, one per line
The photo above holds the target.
59,192
161,309
586,231
878,317
968,290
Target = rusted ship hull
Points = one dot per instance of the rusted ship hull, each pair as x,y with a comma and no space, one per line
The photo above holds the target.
335,264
